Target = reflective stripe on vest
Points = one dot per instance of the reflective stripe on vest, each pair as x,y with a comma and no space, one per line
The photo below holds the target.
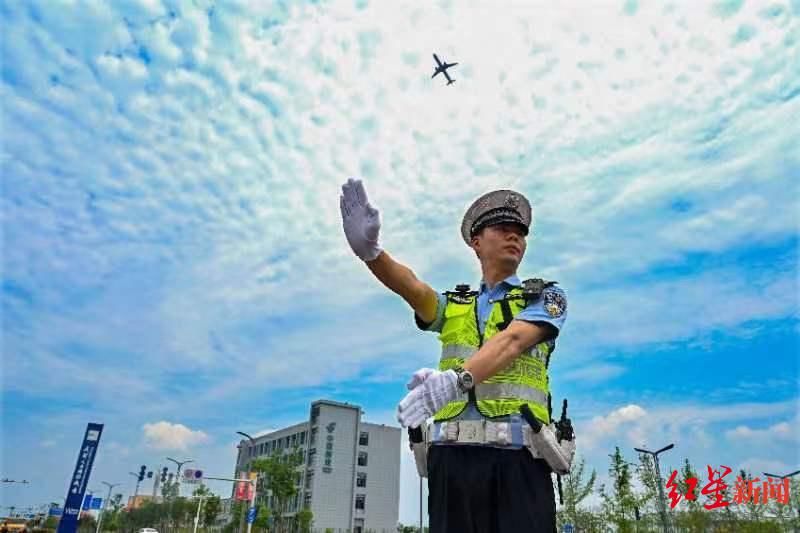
524,381
459,351
510,391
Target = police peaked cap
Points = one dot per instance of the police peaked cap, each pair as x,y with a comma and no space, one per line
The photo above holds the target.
496,207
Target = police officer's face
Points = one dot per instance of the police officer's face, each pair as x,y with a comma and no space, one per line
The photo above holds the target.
504,243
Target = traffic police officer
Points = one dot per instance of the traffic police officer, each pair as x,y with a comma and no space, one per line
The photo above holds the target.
484,475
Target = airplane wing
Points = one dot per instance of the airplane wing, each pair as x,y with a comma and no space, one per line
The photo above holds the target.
437,72
437,60
448,65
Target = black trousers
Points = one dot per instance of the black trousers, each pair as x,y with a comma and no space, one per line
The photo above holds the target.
479,489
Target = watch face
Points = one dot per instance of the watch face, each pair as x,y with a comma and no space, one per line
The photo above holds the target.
466,378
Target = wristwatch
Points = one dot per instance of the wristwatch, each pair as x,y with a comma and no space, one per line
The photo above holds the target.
465,381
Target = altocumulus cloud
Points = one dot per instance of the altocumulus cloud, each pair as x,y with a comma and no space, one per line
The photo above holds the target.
166,436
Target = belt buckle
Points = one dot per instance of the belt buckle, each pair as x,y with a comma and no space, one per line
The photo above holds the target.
471,431
498,433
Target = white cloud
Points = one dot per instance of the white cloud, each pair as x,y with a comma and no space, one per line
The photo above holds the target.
786,431
604,427
168,436
595,373
218,162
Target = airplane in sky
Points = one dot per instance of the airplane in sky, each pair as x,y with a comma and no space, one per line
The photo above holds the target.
442,67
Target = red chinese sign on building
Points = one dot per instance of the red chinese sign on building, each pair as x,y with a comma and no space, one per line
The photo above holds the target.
244,490
745,490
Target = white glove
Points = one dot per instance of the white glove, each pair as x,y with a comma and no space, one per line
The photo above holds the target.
418,377
437,390
360,220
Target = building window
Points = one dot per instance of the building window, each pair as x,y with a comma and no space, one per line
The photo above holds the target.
363,439
303,437
361,479
361,501
362,458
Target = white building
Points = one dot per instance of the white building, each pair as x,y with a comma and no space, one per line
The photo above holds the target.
350,477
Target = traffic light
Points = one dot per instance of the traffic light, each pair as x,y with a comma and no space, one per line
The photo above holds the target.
164,474
150,475
142,472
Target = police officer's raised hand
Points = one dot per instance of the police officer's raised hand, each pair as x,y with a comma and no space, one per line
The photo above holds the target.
360,220
437,390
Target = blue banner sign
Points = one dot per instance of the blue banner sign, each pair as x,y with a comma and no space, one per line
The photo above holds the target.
55,511
87,502
251,515
80,478
97,503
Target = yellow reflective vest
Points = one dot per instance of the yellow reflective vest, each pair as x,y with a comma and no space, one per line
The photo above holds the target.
523,381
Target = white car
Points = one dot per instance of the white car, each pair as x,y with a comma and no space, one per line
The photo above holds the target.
148,530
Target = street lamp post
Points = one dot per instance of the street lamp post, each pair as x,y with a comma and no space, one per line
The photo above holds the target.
197,516
178,475
662,499
796,527
105,504
136,490
253,496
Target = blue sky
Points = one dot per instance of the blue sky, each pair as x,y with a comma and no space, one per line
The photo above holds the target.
173,259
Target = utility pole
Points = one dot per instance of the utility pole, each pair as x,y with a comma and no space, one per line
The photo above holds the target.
157,476
662,507
420,504
237,480
796,526
197,516
178,475
105,504
252,444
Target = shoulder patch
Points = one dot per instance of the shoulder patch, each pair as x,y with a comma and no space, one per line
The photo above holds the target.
554,303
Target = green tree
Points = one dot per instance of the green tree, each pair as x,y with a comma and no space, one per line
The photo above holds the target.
619,505
305,520
111,517
87,524
262,518
237,510
51,522
693,518
278,474
576,489
211,510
